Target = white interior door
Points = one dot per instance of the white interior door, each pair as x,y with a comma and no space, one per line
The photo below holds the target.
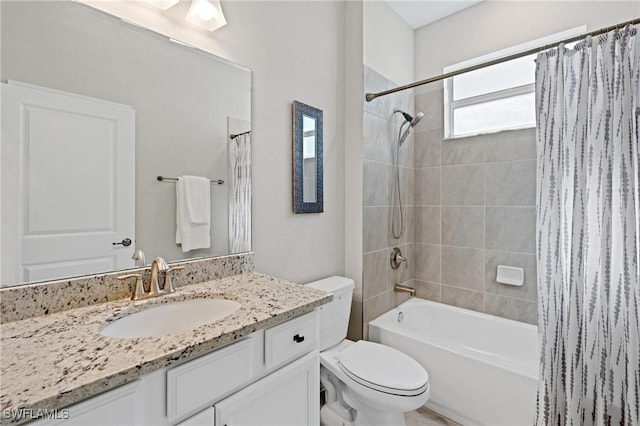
68,183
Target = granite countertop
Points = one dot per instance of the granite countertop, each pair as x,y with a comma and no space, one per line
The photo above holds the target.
53,361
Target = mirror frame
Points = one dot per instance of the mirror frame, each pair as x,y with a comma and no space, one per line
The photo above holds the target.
299,205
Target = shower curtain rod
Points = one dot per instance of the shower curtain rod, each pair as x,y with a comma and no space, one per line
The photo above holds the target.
371,96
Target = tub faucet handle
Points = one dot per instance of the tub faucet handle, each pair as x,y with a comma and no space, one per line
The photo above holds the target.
397,258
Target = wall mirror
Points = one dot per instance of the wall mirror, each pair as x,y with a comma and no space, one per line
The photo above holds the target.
94,111
307,159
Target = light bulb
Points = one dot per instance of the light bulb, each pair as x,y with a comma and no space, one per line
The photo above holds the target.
205,10
207,14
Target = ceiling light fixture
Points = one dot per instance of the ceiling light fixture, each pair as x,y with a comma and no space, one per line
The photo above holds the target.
163,4
207,14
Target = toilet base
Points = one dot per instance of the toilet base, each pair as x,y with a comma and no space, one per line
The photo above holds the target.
335,415
329,417
368,416
379,418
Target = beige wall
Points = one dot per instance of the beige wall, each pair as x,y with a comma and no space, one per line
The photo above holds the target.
354,53
296,52
493,25
388,42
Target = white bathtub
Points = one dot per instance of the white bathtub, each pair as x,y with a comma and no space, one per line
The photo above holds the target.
483,369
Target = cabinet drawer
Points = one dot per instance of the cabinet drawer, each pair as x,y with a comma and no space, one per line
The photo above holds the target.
288,341
204,380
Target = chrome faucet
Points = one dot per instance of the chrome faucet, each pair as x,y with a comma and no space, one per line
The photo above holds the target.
158,266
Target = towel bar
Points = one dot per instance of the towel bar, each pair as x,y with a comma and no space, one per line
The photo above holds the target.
162,178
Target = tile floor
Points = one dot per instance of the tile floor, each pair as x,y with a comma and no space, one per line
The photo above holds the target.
420,417
425,417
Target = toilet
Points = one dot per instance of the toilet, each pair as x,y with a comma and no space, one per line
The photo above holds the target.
366,383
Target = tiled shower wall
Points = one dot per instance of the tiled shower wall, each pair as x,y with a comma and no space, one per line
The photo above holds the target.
469,206
381,127
474,210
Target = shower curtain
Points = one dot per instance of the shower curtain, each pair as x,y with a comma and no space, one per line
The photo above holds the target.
240,194
588,231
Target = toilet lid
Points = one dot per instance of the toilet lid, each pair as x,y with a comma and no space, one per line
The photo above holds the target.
383,368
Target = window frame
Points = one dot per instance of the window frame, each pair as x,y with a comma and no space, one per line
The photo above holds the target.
450,104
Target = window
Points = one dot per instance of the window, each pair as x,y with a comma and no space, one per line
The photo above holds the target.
495,98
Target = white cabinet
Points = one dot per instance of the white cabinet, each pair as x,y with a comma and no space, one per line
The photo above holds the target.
271,377
195,384
120,406
287,397
290,340
203,418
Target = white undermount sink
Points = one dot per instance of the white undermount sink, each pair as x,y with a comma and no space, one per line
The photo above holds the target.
171,318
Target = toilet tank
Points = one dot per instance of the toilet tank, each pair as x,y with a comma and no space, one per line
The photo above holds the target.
334,316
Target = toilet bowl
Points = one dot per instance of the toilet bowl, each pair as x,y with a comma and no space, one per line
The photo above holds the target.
366,383
380,383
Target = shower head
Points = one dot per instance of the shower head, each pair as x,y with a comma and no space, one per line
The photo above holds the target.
410,120
417,119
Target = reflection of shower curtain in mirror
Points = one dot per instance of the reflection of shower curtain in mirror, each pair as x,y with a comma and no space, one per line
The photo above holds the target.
240,194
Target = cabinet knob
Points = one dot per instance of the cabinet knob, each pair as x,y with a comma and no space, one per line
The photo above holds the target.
298,339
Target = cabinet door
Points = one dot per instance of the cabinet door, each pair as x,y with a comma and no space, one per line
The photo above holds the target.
287,397
198,383
120,406
203,418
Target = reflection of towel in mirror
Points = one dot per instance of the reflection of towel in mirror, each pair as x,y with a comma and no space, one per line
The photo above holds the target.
193,212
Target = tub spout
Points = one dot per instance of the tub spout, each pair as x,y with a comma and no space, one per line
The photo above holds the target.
399,288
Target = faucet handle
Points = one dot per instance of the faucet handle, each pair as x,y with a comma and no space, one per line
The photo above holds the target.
139,292
168,283
397,258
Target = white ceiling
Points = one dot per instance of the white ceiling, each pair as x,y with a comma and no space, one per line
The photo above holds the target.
418,13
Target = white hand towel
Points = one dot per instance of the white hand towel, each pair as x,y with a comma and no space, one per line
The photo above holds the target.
197,192
193,212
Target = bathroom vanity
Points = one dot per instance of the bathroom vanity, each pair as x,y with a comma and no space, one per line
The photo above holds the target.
281,387
263,356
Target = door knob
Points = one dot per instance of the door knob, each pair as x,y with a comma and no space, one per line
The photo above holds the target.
126,242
